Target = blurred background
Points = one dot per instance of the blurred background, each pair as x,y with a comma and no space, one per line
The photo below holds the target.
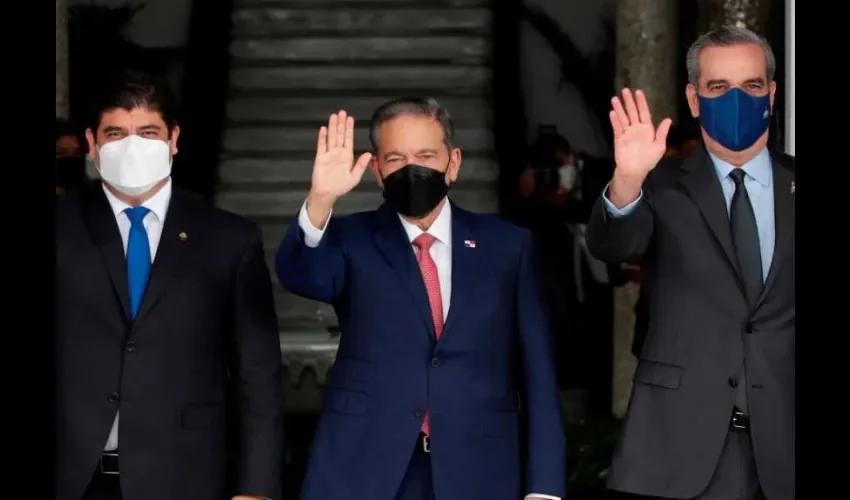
528,84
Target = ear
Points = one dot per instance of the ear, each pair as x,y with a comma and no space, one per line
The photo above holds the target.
92,143
455,159
374,167
175,134
772,94
693,99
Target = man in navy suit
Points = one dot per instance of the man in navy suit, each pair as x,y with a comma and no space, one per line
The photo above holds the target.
443,323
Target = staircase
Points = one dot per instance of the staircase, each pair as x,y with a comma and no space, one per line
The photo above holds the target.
296,61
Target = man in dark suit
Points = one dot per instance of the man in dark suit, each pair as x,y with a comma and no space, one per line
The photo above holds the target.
712,408
164,321
440,310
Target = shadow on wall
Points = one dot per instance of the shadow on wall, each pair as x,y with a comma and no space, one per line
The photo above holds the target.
97,47
576,95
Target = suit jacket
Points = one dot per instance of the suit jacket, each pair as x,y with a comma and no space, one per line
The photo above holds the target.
206,330
701,329
390,367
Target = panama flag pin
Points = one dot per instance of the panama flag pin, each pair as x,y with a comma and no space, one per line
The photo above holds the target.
469,243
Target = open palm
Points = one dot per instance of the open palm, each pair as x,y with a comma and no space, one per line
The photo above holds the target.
334,170
638,145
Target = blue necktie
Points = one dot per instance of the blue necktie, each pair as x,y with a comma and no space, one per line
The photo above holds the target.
138,258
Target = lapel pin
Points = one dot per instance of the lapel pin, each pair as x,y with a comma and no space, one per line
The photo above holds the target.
469,243
183,236
792,187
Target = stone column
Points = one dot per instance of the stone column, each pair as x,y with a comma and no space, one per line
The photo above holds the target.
789,77
646,60
646,52
61,59
751,14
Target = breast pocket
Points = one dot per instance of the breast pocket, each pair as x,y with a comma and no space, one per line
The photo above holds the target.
658,374
346,402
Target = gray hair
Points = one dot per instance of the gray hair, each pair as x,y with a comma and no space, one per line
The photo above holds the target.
416,106
724,37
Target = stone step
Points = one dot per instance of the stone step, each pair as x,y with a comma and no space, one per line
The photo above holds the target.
296,61
481,198
472,112
407,20
404,50
288,139
378,80
239,170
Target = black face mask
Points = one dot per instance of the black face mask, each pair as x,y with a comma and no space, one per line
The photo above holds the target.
70,172
415,190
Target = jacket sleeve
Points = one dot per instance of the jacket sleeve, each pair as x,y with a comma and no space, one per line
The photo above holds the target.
259,376
619,235
310,262
547,447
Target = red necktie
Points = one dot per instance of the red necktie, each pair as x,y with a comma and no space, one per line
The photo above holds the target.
431,278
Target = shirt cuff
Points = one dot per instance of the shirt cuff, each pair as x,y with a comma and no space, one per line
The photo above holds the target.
538,496
312,235
615,212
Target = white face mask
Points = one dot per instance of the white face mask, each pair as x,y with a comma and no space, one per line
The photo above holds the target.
568,176
134,164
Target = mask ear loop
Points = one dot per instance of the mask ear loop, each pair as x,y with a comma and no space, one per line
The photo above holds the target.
449,164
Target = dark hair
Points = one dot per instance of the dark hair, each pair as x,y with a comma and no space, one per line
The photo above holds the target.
417,106
543,152
65,128
133,89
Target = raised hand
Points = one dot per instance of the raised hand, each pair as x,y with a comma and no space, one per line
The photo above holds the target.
334,171
638,145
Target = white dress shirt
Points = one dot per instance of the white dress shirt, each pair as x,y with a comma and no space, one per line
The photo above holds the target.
153,221
441,252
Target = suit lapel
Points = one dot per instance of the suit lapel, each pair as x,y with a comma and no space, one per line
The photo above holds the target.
393,244
101,224
701,183
465,261
173,247
783,201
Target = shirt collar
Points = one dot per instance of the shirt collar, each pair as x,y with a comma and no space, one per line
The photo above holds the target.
157,204
440,229
759,168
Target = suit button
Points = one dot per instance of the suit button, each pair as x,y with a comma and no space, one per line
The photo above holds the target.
733,382
749,327
435,362
418,413
131,346
113,397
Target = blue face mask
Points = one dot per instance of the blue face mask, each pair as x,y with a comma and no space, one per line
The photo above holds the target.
735,119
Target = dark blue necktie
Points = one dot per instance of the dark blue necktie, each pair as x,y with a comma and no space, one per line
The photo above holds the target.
138,258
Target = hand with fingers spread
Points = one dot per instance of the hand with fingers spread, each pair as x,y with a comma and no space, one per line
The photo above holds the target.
638,145
334,171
